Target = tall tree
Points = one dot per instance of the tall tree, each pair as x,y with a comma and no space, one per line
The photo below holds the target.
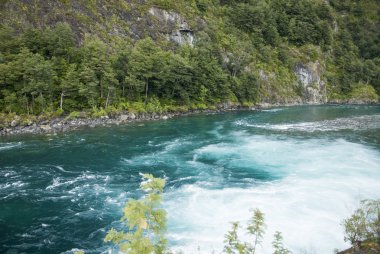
96,56
69,84
146,63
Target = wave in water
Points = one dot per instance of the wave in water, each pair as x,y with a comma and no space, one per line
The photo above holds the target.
354,123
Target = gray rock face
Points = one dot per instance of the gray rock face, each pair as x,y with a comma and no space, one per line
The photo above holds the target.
309,77
178,29
182,38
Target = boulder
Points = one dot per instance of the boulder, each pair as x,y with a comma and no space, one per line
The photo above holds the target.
45,127
132,116
123,118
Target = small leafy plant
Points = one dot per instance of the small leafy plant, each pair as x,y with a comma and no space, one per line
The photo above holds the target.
145,220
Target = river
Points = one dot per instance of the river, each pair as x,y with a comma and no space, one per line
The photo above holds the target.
305,167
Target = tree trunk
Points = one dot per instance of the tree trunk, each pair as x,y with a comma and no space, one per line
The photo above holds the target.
31,104
101,88
61,103
108,96
146,92
234,71
27,106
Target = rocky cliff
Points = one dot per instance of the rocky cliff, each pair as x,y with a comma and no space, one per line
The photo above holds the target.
313,87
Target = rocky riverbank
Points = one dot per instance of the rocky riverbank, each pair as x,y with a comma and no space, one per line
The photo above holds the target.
62,124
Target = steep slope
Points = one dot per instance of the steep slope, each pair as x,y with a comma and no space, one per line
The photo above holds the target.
159,55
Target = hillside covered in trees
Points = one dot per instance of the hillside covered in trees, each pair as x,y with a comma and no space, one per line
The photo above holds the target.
100,57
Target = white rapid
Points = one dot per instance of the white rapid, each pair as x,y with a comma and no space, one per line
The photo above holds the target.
320,183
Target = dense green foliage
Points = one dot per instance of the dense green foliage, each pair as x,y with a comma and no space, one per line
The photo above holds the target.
38,76
356,47
55,68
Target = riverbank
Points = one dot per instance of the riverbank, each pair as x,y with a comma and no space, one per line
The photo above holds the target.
82,120
62,124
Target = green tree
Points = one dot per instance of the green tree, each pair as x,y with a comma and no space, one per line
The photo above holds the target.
146,63
9,41
96,56
88,88
122,69
209,74
145,221
232,243
256,228
33,78
63,42
69,84
364,223
176,80
278,246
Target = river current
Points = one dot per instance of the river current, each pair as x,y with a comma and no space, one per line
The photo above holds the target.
305,167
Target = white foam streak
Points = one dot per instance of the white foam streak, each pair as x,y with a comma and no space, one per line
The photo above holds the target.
273,110
14,185
6,146
60,168
353,123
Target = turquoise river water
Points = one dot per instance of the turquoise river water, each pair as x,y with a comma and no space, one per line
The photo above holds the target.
305,167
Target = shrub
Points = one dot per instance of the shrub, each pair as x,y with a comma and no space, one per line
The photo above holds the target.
154,106
145,221
364,93
73,115
98,112
112,111
137,107
364,223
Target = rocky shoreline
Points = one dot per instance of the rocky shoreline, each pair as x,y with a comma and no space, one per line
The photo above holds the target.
62,124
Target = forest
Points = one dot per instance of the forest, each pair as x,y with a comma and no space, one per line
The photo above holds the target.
53,69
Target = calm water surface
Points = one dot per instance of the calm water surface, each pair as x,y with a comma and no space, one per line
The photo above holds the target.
305,167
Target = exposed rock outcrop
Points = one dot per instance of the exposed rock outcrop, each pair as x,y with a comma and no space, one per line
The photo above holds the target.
177,28
313,86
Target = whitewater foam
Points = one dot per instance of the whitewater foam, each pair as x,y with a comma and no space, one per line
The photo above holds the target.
316,191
